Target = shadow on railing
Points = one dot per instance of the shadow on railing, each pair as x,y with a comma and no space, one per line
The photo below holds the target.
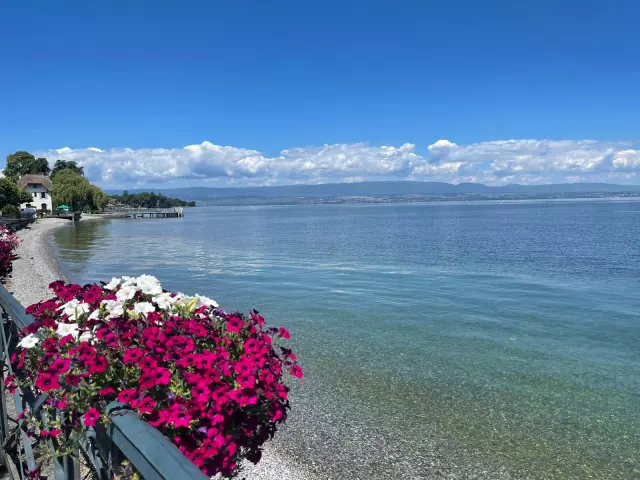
126,437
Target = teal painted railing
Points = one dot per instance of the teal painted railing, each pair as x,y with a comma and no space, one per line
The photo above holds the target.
126,437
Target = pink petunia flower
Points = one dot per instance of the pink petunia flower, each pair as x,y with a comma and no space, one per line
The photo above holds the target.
147,363
132,355
284,333
234,324
90,417
246,381
296,371
47,382
98,364
144,405
60,365
127,396
73,379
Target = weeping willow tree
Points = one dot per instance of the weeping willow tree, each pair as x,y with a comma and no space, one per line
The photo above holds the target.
98,199
74,190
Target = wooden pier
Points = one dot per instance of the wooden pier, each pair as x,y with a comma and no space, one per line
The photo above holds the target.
174,212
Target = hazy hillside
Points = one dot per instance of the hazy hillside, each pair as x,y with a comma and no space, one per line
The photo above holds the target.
381,188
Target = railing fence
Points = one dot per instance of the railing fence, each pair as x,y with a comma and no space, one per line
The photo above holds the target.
126,437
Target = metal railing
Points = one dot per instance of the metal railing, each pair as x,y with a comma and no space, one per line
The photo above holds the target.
146,210
125,437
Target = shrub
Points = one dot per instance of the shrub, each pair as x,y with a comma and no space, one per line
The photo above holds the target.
210,381
10,211
9,241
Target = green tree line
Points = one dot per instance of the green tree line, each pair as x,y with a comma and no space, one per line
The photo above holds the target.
150,200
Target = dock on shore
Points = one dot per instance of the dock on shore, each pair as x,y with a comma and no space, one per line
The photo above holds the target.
172,212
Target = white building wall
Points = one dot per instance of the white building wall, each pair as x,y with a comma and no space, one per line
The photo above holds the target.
41,196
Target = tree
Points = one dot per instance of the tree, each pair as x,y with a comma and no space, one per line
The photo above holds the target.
23,163
40,166
11,196
66,165
18,164
72,189
98,199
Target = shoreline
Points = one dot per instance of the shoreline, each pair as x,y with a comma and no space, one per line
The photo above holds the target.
35,267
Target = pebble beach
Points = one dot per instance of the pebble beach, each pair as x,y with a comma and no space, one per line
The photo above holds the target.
35,267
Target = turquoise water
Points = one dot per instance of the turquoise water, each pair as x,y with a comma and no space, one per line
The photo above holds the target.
436,338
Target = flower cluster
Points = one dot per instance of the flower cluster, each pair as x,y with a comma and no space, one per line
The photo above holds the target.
210,381
9,241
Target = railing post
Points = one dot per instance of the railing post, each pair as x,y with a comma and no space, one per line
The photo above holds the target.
67,468
4,358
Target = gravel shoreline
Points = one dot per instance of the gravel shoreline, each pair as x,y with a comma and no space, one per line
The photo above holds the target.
35,268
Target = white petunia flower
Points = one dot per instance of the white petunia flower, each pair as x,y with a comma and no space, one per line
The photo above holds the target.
29,341
95,315
86,337
202,300
149,284
192,303
143,307
118,311
183,299
113,283
126,292
65,329
165,301
110,304
74,309
114,307
128,281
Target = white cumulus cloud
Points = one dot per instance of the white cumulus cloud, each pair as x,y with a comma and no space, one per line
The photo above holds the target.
493,162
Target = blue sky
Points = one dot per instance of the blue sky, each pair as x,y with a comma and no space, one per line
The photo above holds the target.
283,92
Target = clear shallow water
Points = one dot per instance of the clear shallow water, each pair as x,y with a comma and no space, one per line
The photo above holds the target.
502,336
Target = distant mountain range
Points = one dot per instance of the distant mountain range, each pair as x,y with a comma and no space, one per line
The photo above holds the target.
374,189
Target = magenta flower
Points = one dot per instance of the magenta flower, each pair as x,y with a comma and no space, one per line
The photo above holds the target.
34,473
47,382
234,324
162,376
132,355
91,417
284,333
147,363
296,371
60,365
127,396
144,405
147,381
201,392
179,419
98,364
244,367
246,381
198,457
50,343
73,379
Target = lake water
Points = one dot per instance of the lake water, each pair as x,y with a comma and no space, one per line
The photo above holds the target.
437,339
